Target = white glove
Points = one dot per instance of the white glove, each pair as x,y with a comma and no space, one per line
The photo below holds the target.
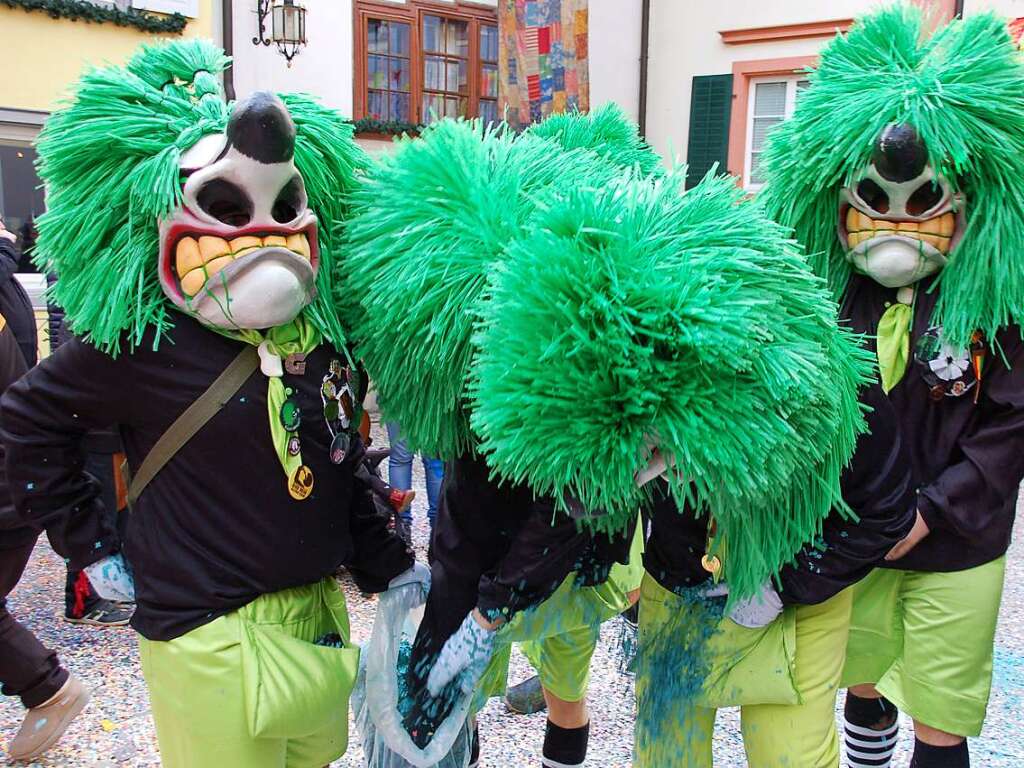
418,574
758,610
465,656
112,578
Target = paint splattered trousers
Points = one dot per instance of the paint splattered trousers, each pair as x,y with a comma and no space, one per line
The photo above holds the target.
784,677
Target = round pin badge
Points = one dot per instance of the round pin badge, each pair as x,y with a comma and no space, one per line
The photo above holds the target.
291,415
339,447
300,483
294,446
711,564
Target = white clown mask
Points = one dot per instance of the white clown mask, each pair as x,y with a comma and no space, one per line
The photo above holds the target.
241,252
901,220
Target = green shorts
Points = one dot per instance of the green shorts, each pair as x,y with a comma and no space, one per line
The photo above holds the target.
784,677
926,639
559,636
255,671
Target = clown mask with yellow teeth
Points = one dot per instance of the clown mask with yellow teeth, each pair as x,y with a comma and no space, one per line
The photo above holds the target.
901,220
241,252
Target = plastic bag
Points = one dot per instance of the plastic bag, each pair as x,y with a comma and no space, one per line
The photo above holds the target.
386,744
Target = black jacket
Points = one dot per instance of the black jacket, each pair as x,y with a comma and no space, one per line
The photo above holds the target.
15,305
501,549
216,527
877,486
967,458
13,531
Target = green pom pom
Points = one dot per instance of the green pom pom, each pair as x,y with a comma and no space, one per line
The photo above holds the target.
963,90
432,222
606,131
631,313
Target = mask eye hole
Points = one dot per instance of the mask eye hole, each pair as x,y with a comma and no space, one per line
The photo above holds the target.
290,202
873,195
226,202
925,197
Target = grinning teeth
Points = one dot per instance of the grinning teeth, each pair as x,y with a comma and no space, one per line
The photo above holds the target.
937,231
299,244
216,265
212,247
239,243
193,282
187,256
198,261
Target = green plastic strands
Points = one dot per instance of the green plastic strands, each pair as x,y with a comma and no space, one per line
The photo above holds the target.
605,131
331,165
431,224
963,90
630,311
109,160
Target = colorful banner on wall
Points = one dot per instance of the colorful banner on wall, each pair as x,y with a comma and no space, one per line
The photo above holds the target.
543,61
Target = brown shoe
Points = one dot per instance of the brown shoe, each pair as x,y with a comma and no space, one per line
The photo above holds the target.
45,724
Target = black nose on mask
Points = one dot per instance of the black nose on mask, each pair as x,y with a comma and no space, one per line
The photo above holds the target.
261,128
899,154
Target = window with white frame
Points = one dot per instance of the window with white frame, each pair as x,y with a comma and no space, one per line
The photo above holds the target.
772,100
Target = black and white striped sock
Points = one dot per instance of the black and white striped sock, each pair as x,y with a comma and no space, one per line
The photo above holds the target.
870,731
565,747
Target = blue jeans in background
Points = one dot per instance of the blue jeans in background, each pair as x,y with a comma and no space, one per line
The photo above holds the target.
400,473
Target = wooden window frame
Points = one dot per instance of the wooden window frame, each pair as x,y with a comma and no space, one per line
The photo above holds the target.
791,81
412,12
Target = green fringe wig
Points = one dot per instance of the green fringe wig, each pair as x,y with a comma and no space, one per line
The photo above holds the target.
109,161
962,88
535,300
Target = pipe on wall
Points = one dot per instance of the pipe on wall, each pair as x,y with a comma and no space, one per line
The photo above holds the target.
645,36
228,43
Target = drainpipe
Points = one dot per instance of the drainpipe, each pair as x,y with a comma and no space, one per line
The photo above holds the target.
958,9
645,39
228,33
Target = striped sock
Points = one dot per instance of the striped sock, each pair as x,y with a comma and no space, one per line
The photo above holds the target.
868,748
565,747
870,729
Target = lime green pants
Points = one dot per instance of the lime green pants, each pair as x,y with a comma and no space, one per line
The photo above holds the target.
784,677
926,641
255,671
559,636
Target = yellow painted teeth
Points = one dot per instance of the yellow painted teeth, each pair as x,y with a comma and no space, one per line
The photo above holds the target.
937,232
196,261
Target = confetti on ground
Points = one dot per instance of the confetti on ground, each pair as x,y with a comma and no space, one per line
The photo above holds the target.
115,730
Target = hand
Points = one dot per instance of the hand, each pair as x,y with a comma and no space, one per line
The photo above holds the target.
465,655
918,532
417,574
112,578
7,234
758,610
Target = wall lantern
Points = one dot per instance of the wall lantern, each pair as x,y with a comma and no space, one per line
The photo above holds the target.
288,26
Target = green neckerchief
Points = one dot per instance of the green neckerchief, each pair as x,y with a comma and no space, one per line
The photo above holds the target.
894,343
298,337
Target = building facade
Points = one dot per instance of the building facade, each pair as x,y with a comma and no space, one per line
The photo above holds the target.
722,74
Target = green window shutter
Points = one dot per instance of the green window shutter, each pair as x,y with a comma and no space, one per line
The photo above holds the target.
710,110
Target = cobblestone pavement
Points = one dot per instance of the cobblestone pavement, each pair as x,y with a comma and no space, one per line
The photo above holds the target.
116,730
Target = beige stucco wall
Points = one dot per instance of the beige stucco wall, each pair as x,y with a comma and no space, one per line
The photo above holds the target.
43,56
684,42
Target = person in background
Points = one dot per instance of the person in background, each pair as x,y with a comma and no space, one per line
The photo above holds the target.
81,604
400,478
15,304
51,694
